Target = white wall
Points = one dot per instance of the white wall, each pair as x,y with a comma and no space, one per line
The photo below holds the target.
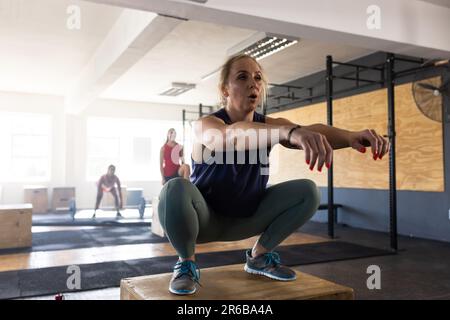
69,141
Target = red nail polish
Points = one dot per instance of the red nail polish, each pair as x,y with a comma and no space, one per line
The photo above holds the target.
328,165
374,157
311,168
381,157
363,150
320,169
307,162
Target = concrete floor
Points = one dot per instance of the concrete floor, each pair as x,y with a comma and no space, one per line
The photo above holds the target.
420,270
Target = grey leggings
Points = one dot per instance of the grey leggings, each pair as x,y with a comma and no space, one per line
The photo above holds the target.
187,219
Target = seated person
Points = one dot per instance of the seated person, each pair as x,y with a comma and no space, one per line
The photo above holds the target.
109,182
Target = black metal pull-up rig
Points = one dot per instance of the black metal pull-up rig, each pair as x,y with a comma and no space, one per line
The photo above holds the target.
386,79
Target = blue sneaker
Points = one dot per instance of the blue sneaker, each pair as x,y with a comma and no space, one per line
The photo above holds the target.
185,277
268,265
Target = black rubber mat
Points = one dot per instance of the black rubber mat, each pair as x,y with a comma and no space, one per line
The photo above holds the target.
65,219
88,238
45,281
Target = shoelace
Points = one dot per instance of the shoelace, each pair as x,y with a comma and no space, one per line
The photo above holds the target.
188,267
272,258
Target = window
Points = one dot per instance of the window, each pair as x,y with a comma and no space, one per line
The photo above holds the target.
101,153
132,145
25,141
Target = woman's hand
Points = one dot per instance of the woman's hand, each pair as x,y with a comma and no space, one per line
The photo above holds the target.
316,146
359,140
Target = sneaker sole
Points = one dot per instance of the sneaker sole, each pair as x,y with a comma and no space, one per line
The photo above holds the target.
262,273
182,292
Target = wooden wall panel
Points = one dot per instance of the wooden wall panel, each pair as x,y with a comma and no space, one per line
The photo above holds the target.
419,154
420,149
287,164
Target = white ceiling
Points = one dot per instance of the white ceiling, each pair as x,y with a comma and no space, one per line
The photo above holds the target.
443,3
38,54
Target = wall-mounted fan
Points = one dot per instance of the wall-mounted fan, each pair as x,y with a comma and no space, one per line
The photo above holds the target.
428,93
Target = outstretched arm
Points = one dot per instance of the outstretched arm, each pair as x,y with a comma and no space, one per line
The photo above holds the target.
337,139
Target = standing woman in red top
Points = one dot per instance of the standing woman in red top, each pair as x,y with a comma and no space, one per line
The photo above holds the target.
171,159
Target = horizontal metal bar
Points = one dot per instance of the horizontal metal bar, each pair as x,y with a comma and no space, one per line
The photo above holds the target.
420,61
412,70
319,96
359,79
285,86
357,65
283,97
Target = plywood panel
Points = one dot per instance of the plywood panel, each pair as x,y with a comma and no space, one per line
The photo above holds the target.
420,162
233,283
420,146
352,168
287,164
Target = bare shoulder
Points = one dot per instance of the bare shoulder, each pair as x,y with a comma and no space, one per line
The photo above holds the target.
210,119
207,123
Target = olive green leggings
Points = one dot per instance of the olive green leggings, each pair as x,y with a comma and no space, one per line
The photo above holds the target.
187,219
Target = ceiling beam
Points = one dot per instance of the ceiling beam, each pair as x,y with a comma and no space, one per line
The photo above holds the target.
133,35
409,27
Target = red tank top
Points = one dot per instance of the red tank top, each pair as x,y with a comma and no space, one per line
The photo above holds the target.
171,159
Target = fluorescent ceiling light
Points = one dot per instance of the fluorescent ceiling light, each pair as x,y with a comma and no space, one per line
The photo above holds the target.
261,45
177,89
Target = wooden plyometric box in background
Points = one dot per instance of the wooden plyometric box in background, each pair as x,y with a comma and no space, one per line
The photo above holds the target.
15,226
156,227
108,199
38,197
134,196
61,197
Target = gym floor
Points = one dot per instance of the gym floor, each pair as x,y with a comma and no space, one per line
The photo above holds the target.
419,271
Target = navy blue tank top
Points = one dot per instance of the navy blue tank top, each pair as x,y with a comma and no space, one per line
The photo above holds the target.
233,189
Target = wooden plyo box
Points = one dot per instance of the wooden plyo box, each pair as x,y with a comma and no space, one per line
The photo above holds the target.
156,227
233,283
61,197
15,226
38,197
108,199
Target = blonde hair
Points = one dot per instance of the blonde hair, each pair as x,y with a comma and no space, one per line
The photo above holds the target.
225,74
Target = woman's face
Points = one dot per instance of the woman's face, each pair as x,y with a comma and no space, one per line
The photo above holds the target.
244,87
111,171
171,135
